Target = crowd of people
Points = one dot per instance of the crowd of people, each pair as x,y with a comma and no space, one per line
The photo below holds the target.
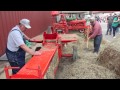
113,24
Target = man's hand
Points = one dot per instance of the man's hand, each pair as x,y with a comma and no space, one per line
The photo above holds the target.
37,53
87,39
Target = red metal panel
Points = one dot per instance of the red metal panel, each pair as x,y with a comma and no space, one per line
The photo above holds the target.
30,69
40,20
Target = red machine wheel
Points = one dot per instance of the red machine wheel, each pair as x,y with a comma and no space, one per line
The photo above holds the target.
81,31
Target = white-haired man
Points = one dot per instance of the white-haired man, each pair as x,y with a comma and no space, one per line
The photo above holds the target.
16,47
96,34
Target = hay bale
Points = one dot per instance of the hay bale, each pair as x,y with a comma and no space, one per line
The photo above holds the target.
110,56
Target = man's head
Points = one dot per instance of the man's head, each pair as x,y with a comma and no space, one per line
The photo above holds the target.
92,20
115,14
26,23
110,14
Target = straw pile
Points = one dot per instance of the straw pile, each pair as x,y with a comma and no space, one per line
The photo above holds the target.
110,56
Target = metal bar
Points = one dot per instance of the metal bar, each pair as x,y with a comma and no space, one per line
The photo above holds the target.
66,41
6,72
6,69
36,41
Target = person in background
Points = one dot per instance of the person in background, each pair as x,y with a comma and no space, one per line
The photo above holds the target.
109,24
119,25
115,24
97,18
96,34
16,47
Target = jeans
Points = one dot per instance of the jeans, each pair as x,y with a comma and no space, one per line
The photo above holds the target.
97,42
114,30
16,59
109,27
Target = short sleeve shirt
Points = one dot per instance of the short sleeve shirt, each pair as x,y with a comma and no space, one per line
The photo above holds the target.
15,39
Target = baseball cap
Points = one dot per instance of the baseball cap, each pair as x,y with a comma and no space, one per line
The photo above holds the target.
26,23
92,18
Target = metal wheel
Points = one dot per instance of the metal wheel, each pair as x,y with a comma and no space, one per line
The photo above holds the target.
75,55
81,31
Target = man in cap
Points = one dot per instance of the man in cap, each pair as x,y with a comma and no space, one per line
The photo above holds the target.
96,34
16,47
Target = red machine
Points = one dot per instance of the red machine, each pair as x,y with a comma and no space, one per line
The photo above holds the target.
77,25
61,25
37,66
71,25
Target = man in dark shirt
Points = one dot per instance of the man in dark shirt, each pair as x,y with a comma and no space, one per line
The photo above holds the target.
109,24
96,34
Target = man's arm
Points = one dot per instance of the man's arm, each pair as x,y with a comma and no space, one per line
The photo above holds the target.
28,50
117,20
29,39
26,37
95,32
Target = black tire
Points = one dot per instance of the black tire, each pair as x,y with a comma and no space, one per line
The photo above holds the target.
75,55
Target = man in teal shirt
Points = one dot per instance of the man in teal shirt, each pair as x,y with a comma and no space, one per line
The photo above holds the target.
115,24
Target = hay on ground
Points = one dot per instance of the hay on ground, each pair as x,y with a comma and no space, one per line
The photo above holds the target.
85,67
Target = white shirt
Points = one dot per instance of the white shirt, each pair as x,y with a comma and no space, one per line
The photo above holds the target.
15,39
